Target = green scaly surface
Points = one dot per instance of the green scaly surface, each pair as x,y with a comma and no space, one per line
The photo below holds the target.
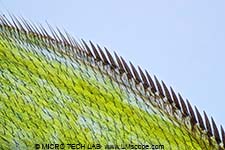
47,97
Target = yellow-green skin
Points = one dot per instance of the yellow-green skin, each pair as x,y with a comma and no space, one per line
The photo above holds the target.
49,97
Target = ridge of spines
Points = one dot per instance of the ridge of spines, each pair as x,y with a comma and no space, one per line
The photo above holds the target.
146,80
106,58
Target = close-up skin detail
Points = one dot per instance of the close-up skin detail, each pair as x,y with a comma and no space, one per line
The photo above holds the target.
55,89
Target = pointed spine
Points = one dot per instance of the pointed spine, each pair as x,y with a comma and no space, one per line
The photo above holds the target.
200,120
223,135
215,131
120,65
175,99
167,93
89,53
208,126
144,79
135,73
104,58
151,82
159,87
97,56
111,59
183,105
193,118
126,67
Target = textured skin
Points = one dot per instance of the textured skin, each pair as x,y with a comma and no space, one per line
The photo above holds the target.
49,96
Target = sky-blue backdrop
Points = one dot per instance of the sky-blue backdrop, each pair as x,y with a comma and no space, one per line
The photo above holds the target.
181,42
